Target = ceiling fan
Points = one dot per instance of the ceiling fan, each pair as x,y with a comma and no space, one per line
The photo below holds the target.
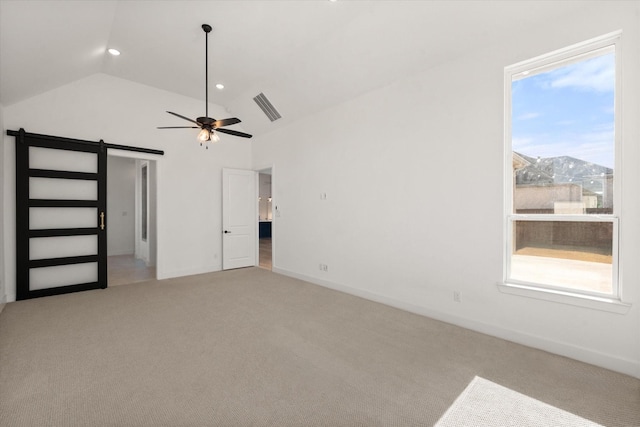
209,127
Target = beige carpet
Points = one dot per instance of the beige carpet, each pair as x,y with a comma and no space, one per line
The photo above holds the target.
487,404
252,348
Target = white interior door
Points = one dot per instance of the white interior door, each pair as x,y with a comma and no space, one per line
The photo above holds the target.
239,221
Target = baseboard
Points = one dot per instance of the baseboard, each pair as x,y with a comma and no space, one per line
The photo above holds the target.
607,361
161,274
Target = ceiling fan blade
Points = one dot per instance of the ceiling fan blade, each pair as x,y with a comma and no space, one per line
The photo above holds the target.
177,127
183,117
234,133
226,122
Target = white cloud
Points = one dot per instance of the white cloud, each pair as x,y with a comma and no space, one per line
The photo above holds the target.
596,74
519,144
528,116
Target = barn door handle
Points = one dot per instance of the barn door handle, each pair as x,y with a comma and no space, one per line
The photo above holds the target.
101,220
226,232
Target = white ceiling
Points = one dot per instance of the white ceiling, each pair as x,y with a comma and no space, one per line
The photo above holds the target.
305,55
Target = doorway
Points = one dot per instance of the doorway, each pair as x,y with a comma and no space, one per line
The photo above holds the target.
131,235
265,218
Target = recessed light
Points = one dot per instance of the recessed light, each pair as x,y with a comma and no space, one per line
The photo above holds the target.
220,86
114,52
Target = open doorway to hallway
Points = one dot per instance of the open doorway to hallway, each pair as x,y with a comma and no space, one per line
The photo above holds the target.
131,216
126,269
265,218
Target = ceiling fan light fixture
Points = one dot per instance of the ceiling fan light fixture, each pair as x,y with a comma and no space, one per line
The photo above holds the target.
204,135
214,137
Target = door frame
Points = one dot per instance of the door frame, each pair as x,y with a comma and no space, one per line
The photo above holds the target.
274,213
142,205
154,166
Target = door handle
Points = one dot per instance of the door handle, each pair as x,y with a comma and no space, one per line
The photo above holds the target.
226,232
101,220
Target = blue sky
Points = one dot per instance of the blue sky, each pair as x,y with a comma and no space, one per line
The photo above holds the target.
568,111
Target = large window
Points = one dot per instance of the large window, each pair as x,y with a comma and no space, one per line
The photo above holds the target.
561,200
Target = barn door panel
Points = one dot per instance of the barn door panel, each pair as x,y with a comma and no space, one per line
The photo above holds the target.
60,215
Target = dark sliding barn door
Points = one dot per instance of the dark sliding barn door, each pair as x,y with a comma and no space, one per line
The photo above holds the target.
61,198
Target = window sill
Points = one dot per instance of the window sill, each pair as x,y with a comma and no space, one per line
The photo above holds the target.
611,305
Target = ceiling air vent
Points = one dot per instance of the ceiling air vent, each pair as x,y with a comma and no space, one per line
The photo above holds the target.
267,107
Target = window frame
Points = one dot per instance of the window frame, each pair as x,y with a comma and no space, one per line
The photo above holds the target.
568,218
540,64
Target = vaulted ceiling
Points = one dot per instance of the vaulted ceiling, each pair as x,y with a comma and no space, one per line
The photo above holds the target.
304,55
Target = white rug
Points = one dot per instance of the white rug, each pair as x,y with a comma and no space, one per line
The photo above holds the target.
487,404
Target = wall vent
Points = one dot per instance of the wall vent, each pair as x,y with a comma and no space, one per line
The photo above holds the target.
267,107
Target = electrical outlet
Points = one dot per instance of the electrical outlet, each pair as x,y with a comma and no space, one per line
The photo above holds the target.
324,267
456,296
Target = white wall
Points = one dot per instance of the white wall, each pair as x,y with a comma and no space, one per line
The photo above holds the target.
413,174
189,178
121,199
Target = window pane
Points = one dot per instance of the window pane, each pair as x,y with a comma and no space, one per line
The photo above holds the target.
571,254
563,139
